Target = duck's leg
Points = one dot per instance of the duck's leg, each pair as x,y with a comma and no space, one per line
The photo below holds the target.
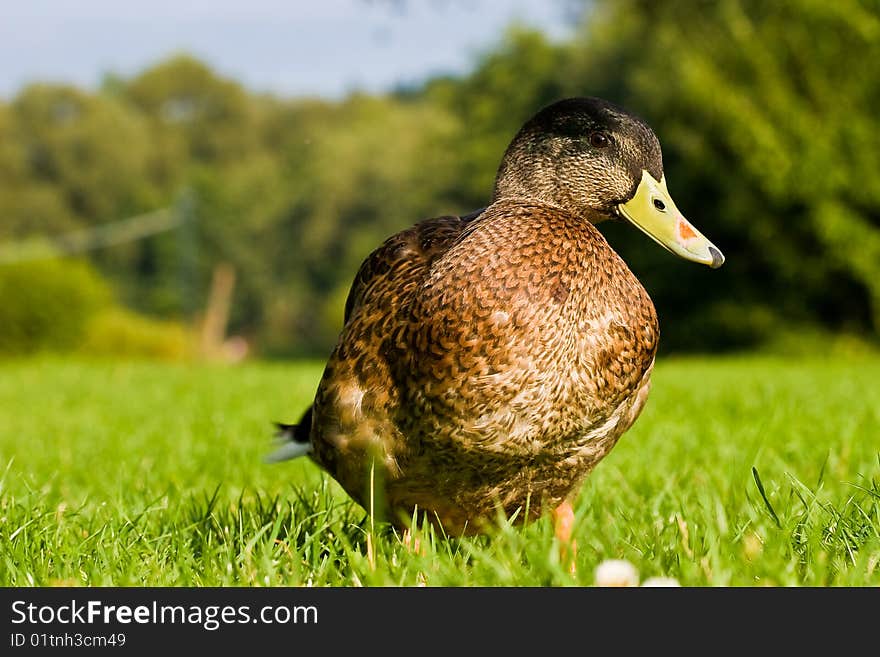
411,542
563,523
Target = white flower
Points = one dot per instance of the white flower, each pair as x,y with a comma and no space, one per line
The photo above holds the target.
616,572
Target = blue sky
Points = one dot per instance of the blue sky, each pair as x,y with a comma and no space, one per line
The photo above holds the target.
292,47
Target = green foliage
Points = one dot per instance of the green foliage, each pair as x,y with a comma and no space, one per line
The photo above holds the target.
763,110
768,149
55,305
120,333
199,116
89,148
46,304
105,490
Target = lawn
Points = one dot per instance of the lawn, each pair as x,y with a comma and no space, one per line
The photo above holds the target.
741,472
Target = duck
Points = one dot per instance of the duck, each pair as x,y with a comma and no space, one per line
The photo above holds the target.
489,361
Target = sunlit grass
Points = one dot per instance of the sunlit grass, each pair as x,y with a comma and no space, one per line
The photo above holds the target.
740,472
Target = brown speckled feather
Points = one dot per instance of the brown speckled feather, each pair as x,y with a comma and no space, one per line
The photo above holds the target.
484,363
490,361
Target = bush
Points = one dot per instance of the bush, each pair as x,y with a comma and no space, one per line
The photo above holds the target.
121,333
46,304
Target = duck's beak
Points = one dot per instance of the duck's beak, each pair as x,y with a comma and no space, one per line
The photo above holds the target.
654,213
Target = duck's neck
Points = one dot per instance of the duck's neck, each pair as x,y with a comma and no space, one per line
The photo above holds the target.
549,191
577,212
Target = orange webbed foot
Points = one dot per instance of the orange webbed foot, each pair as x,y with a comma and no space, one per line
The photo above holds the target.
563,523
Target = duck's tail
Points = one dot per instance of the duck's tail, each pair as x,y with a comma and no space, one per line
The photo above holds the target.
293,439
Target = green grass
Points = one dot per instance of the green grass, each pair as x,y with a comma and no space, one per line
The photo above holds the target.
740,472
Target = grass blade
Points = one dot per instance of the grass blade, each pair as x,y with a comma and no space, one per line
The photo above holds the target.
764,496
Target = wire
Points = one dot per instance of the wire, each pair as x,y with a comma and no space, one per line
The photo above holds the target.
89,239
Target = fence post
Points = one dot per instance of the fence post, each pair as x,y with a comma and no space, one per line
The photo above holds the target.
187,244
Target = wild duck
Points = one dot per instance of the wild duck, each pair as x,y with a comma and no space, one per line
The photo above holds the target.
489,361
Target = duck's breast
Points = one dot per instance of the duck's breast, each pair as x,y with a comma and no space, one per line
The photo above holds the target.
530,330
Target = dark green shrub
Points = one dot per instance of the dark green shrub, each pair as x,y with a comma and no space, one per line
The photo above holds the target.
121,333
46,304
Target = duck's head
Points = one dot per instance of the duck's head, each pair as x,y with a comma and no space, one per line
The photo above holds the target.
600,162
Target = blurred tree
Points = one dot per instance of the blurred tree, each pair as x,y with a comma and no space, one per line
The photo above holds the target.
352,175
761,111
89,148
764,111
27,204
76,160
510,83
203,128
32,292
199,116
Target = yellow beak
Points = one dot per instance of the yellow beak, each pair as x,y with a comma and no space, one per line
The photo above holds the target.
653,212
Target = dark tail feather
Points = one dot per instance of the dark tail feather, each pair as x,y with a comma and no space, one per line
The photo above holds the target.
293,439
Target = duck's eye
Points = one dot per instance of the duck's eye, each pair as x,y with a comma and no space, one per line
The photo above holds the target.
660,205
600,140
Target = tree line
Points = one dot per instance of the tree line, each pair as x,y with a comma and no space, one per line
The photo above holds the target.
766,113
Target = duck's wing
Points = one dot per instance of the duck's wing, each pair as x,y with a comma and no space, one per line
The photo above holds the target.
404,258
380,285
